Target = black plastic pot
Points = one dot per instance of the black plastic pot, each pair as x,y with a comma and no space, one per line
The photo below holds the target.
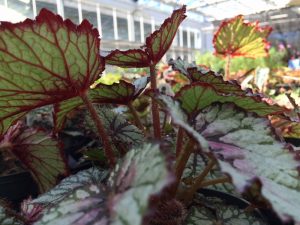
17,187
266,215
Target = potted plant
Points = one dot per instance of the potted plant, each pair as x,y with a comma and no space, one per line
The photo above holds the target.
51,61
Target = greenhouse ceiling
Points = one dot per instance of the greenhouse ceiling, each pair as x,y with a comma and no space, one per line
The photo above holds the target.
220,9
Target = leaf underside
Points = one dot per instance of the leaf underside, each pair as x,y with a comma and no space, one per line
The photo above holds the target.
248,150
238,38
45,61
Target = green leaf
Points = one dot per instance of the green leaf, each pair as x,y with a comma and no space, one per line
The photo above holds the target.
45,61
248,150
84,205
40,153
67,185
136,58
223,212
199,95
180,118
117,93
160,41
122,133
238,38
142,173
7,216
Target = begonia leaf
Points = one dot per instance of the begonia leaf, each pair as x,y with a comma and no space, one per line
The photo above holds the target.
142,173
160,41
125,199
248,150
7,216
285,127
199,95
117,93
67,185
235,37
127,59
122,133
45,61
40,153
84,205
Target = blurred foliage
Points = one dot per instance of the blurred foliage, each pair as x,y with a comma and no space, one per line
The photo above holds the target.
275,60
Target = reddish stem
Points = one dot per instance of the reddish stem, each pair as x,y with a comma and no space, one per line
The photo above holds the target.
136,117
155,110
106,143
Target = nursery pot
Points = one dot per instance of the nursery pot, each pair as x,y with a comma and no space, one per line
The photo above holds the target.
266,215
17,187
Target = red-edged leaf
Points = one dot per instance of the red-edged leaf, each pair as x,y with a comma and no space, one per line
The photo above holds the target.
248,150
117,93
45,61
199,95
127,59
40,153
285,127
215,80
160,41
238,38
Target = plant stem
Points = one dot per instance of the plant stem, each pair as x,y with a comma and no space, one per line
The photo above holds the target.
181,163
215,181
136,117
179,141
105,139
155,111
227,67
199,179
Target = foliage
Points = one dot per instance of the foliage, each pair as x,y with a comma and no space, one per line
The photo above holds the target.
49,61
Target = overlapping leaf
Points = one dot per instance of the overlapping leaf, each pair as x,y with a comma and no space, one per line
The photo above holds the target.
84,205
67,185
40,153
134,181
285,127
199,95
156,46
45,61
118,93
238,38
251,154
121,132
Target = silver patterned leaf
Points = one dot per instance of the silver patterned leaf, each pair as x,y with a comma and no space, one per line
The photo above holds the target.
142,173
7,217
221,211
83,206
67,185
248,150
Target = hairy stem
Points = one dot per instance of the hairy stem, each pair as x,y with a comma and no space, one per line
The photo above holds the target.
227,67
199,179
105,139
155,111
220,180
136,117
179,141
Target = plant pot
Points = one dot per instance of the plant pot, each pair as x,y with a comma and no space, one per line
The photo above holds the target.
17,187
268,216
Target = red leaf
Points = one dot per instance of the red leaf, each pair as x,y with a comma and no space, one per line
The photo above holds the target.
45,61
